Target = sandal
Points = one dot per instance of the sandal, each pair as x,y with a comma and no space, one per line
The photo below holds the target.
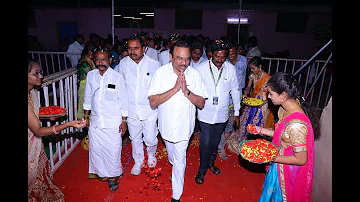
113,186
199,178
215,170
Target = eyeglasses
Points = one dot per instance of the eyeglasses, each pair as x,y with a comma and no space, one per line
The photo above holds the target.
37,74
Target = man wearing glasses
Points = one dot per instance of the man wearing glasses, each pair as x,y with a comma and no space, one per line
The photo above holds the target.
176,89
106,99
137,70
220,79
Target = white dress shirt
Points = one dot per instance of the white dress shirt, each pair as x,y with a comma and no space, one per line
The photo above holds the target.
176,118
151,52
74,47
164,57
253,51
137,79
227,85
195,64
108,105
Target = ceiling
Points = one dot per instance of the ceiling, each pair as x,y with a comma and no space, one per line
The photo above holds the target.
162,3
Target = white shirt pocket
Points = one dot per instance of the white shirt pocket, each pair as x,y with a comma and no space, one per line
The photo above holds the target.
110,94
226,84
147,79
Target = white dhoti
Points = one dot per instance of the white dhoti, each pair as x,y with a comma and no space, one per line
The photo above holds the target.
105,152
143,131
177,157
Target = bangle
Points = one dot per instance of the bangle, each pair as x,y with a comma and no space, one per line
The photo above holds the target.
124,120
187,95
54,129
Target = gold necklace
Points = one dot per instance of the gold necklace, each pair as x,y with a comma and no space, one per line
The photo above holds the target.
287,113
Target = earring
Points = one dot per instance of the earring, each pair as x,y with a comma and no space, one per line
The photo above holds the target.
282,100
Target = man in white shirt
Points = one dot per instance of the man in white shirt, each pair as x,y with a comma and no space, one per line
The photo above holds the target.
196,54
176,89
137,70
240,63
75,49
164,56
151,52
106,99
253,49
220,79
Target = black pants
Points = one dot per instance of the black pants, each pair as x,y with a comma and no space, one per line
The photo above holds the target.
210,136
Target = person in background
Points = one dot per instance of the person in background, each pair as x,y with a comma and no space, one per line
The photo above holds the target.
176,89
290,175
105,100
151,52
196,54
85,64
208,52
258,115
115,55
253,48
240,63
164,56
220,79
240,50
40,178
137,70
75,49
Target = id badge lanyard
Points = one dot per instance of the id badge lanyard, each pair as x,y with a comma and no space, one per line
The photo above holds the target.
215,98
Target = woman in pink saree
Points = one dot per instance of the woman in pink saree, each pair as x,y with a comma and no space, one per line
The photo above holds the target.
40,180
290,177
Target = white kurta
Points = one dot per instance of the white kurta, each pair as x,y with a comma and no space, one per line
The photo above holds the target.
176,118
142,118
164,57
106,97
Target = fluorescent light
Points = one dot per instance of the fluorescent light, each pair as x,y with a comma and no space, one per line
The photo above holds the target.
117,15
146,13
236,20
149,15
133,18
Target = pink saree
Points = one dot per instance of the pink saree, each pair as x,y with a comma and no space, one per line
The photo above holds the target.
295,181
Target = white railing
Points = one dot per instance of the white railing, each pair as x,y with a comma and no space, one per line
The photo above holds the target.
60,89
317,89
51,62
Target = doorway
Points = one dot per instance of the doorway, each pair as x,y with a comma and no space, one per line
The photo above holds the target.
232,33
67,31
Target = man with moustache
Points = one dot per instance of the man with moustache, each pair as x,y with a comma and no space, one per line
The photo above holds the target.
176,89
137,70
220,79
106,101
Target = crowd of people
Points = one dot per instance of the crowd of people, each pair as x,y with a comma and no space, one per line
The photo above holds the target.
185,85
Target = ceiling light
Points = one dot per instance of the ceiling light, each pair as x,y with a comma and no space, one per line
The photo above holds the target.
146,13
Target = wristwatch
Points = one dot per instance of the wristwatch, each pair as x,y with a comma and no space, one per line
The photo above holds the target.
187,95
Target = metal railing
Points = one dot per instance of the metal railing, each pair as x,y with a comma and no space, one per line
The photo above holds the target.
51,62
60,89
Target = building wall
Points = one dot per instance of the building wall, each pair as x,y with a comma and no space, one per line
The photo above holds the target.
261,24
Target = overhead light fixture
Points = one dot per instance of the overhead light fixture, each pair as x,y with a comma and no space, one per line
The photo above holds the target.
146,13
117,15
133,18
149,15
236,20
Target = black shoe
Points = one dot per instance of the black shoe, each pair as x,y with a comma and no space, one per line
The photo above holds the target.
174,200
